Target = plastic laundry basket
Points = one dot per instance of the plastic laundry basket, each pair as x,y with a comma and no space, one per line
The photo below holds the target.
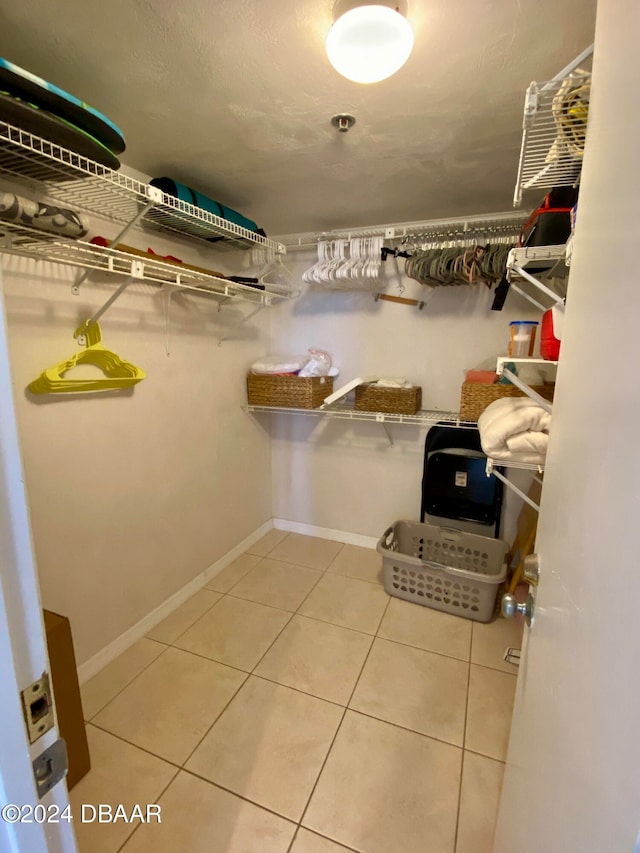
443,568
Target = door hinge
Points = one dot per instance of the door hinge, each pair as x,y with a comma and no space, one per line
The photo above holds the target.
37,706
50,767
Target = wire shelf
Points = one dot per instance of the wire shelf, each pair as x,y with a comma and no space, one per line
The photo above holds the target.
48,169
554,131
40,245
423,417
520,466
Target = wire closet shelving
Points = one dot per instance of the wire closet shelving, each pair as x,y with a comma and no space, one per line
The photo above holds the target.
53,172
428,230
425,417
554,128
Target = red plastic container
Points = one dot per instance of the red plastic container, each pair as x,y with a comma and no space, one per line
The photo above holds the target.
551,333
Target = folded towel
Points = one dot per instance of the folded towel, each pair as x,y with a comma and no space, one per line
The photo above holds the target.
279,364
515,429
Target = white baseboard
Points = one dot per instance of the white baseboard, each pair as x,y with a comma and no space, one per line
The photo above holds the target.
92,666
325,533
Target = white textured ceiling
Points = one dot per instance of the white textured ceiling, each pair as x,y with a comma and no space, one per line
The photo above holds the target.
235,97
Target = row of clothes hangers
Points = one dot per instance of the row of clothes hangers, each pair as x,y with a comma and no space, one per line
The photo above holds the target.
346,264
470,264
429,259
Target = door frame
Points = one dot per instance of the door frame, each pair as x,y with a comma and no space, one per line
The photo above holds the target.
23,650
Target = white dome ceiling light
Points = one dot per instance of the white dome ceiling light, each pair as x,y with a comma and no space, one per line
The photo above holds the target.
369,42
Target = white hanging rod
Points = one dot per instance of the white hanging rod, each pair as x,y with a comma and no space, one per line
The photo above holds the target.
459,228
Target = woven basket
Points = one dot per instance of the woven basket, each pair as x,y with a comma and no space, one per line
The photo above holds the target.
291,392
476,396
394,401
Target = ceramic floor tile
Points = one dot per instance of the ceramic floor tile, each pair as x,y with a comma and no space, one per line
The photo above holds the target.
102,688
184,616
235,632
355,562
491,640
309,842
269,745
198,817
277,584
416,689
489,711
268,542
317,658
120,773
479,802
310,551
172,704
426,629
386,790
231,574
348,602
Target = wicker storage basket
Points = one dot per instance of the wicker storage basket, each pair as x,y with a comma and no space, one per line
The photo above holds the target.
291,392
395,401
445,569
477,396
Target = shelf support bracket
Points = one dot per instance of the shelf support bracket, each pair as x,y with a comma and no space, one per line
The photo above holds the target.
75,289
533,301
241,322
543,287
513,488
515,380
80,336
380,418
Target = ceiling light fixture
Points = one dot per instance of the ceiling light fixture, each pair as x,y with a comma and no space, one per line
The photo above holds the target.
369,42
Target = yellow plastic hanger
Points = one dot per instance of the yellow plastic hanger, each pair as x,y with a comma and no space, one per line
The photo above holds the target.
118,373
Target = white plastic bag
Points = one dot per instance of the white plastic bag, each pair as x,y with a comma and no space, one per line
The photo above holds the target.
319,363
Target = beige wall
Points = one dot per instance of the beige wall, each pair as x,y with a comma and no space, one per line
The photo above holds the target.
133,494
344,475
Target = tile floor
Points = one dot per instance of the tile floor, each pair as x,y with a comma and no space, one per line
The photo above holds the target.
292,705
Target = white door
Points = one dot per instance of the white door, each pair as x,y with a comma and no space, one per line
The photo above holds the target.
23,656
572,782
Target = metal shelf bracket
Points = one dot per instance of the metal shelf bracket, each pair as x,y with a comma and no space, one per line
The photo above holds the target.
155,196
243,321
81,336
491,470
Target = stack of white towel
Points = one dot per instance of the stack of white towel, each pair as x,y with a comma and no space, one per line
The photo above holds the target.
515,429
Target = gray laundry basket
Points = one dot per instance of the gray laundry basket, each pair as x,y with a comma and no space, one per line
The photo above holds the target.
443,568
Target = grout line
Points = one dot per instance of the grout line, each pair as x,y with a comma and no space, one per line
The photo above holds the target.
211,660
182,633
137,675
233,696
484,755
326,758
464,740
420,648
140,823
239,796
137,746
405,728
297,690
376,582
493,669
293,840
320,835
297,612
